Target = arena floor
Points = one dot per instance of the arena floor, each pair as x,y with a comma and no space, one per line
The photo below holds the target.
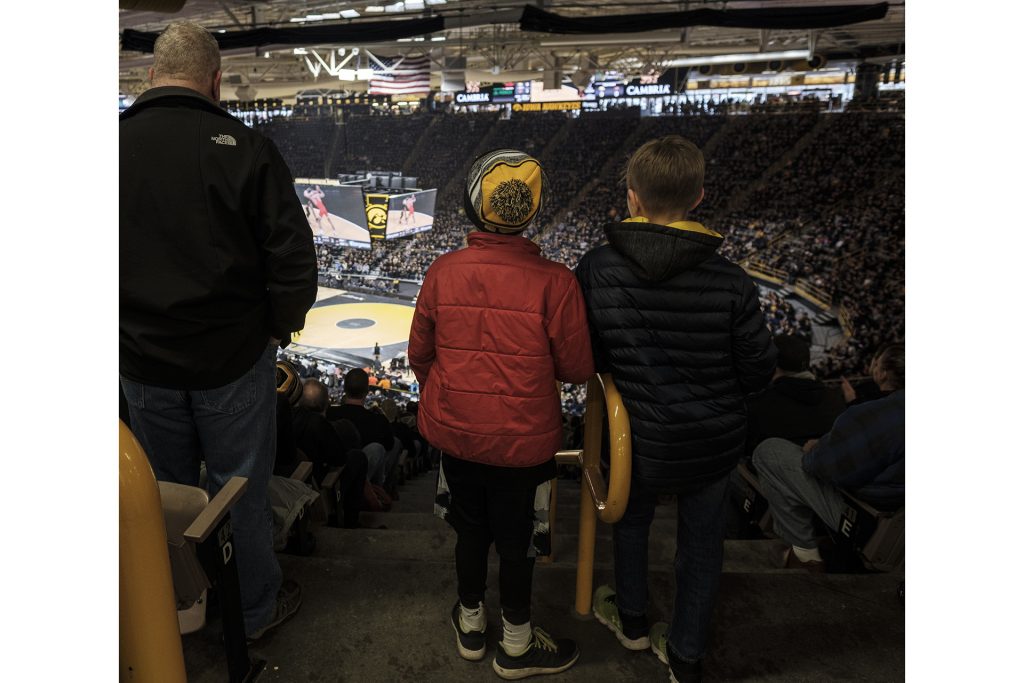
344,324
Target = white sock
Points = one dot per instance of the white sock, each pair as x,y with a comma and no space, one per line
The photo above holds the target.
515,637
472,619
807,554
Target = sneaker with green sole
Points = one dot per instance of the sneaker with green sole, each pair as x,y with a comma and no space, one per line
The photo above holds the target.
659,641
544,655
678,671
607,612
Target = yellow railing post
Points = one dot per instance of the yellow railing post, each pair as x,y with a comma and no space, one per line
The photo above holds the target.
150,641
597,498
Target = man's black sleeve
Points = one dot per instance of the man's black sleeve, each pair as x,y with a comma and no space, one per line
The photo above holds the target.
753,352
287,244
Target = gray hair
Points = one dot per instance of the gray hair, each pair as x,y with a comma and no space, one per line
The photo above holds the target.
186,51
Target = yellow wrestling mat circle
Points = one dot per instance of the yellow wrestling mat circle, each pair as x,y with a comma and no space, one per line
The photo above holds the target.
356,326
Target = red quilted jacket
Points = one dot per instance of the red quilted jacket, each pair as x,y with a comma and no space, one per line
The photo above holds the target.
495,325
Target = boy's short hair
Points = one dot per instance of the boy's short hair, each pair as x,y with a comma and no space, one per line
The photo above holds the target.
667,174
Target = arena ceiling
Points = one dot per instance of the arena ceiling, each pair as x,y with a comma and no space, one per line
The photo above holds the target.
487,34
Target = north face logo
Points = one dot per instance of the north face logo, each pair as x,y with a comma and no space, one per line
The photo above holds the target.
223,139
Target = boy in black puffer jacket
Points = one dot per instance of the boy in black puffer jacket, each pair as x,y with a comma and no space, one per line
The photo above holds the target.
680,329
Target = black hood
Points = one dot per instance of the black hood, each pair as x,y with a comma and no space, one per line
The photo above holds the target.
659,252
806,391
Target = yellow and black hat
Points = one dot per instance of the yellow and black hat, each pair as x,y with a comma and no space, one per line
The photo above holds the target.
504,191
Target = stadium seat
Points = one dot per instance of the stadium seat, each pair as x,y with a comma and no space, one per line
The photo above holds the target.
877,536
202,555
183,505
756,512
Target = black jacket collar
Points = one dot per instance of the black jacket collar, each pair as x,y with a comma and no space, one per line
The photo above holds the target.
173,94
659,252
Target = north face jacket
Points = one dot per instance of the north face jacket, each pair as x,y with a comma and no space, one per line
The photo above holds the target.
216,255
495,326
680,329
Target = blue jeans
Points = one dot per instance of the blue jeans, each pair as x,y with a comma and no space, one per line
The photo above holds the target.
234,429
698,563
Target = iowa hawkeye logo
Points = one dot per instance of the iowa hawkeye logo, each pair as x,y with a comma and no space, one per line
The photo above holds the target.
377,215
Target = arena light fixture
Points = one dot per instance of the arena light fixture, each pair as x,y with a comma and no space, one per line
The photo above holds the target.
738,58
364,74
346,74
375,8
437,39
350,13
413,4
437,2
395,7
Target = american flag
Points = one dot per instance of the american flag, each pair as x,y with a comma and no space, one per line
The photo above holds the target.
403,76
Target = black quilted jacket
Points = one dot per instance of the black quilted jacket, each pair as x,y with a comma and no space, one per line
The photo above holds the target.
680,328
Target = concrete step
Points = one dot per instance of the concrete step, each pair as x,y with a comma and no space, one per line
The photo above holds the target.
388,622
433,542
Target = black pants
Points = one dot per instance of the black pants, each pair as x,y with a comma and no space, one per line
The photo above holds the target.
486,508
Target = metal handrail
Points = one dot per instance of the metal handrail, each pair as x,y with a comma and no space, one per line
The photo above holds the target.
599,498
150,640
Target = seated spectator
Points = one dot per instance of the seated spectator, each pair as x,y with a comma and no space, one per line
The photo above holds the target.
373,427
863,454
322,445
795,406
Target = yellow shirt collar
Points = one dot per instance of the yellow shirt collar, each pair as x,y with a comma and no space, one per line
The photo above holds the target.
692,226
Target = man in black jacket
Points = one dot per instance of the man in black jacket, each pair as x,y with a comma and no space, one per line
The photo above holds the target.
217,267
680,329
796,406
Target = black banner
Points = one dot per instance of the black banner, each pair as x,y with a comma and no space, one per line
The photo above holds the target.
535,19
363,32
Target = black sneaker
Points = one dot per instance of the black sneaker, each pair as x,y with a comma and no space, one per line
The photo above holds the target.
472,645
289,598
544,655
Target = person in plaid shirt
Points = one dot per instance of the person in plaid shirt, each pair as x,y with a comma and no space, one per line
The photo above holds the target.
863,454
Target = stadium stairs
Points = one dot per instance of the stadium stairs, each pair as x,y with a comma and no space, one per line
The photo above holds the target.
376,605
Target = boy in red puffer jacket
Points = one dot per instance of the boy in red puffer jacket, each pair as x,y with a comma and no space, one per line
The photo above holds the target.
495,326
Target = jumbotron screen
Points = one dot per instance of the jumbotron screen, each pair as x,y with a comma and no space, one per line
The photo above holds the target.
410,213
335,211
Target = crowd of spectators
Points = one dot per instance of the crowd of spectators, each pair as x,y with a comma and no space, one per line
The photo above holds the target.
783,318
447,148
377,143
832,215
303,144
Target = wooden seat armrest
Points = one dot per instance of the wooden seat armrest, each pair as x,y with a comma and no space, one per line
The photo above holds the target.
568,457
212,514
330,479
870,509
303,471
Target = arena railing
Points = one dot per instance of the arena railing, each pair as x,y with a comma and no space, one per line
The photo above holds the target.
150,642
599,498
846,320
813,293
764,272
